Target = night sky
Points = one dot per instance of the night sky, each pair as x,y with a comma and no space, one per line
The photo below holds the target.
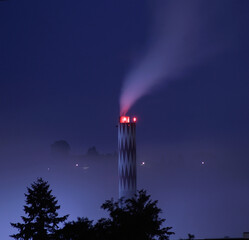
64,66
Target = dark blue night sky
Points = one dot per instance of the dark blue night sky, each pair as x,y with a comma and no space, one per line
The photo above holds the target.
63,65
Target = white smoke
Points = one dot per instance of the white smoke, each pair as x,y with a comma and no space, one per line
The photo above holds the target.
179,39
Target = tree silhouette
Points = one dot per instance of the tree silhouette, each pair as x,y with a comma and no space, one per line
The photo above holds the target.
104,230
41,220
77,230
60,148
136,218
191,236
92,151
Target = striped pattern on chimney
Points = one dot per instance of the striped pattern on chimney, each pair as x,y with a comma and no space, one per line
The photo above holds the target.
127,160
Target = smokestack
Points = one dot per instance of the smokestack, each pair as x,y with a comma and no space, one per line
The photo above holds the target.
127,173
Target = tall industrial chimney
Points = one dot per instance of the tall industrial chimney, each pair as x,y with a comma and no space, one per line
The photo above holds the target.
127,173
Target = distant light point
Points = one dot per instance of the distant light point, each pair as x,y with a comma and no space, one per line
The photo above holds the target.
76,164
202,163
142,163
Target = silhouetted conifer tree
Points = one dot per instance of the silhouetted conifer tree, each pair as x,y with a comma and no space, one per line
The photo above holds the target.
41,220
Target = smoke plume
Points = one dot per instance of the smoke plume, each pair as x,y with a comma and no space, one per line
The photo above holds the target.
179,39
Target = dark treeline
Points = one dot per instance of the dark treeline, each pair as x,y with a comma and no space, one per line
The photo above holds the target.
137,218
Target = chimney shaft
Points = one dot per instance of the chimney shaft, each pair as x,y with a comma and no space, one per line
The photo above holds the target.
127,173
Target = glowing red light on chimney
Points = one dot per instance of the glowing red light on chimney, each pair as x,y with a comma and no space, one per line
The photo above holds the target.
134,119
124,119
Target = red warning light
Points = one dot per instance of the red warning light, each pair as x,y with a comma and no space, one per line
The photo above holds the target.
134,119
124,119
